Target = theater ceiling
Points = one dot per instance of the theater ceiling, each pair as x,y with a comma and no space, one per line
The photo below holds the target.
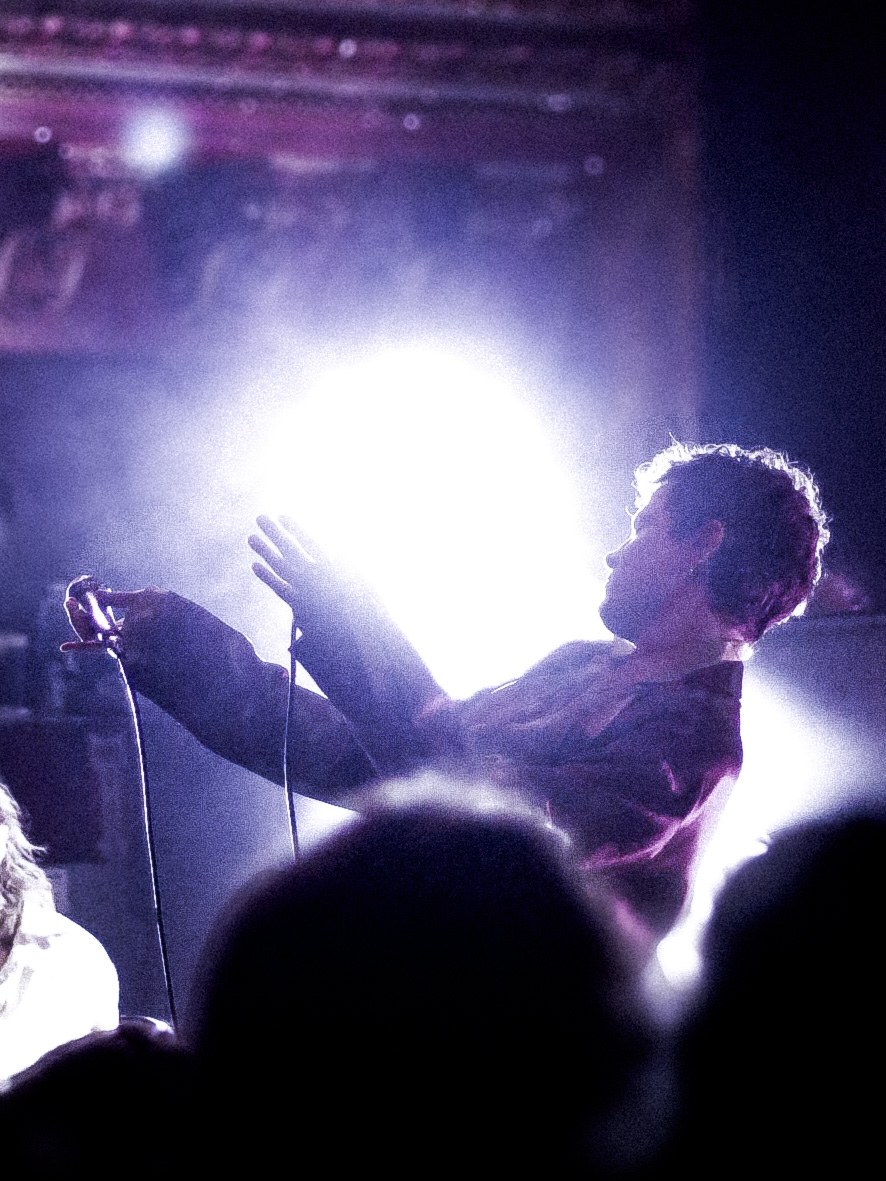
172,173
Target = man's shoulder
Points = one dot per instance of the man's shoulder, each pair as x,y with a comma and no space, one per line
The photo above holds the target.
722,679
46,929
569,657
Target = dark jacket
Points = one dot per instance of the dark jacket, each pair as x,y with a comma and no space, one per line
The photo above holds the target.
629,788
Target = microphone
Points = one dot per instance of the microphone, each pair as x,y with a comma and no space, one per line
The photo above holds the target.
85,590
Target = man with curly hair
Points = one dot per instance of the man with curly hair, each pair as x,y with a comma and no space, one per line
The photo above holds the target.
621,743
56,980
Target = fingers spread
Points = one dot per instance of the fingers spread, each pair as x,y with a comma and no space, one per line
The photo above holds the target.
261,547
307,542
275,560
287,541
277,585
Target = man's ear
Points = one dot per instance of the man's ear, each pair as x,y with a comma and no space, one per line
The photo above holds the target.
706,540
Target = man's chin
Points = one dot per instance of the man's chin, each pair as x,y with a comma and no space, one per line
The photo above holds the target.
619,622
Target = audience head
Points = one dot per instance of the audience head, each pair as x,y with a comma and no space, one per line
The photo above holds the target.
110,1104
432,981
787,1027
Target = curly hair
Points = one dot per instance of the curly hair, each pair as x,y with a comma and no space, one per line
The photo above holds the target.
775,526
20,875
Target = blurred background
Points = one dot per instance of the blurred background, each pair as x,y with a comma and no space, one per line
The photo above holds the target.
433,276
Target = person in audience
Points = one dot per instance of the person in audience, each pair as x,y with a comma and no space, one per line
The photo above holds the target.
781,1049
432,988
621,743
57,982
116,1103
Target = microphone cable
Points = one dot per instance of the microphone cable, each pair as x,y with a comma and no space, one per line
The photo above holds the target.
289,778
107,633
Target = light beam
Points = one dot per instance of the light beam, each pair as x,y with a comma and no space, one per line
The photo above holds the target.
443,487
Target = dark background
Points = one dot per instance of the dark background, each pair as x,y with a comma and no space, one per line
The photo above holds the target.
794,205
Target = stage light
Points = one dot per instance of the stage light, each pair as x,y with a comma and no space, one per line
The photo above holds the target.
154,140
434,478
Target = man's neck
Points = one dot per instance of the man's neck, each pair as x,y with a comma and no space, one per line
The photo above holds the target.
686,636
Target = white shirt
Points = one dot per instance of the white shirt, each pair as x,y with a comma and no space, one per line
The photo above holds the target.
58,984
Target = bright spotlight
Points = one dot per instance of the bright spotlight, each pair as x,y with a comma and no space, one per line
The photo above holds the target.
442,486
154,140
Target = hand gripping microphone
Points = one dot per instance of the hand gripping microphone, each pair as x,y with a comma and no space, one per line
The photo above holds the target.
107,631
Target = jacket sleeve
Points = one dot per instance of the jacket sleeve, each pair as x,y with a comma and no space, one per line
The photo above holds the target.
208,677
370,671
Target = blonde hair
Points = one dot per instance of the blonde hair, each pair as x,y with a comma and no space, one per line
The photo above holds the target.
20,875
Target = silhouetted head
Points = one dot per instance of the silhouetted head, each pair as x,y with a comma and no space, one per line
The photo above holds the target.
750,524
111,1104
432,978
787,1028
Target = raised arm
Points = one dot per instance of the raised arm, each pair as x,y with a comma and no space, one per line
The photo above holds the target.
353,649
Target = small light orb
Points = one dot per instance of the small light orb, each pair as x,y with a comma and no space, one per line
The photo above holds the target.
154,140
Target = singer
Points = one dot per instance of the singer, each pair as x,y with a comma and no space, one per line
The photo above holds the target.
622,743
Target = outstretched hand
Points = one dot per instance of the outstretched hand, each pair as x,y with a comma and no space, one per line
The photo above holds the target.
354,651
296,568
